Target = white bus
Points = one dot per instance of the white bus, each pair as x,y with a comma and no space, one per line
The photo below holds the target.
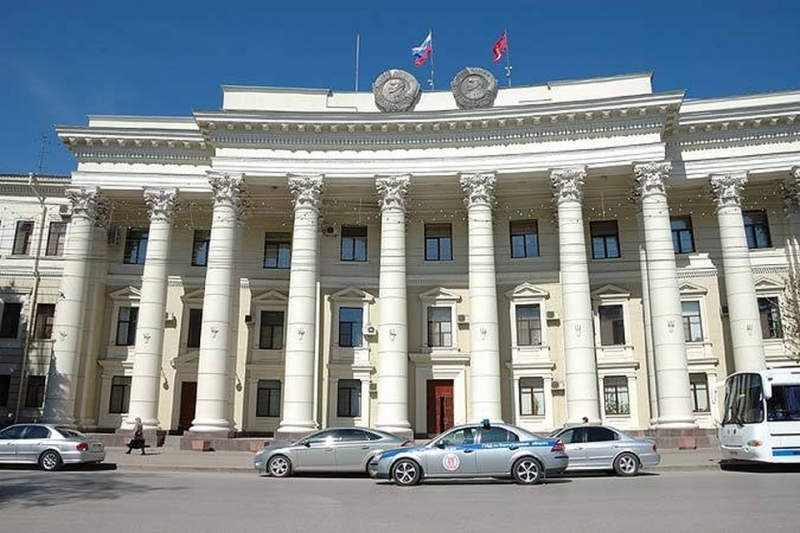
761,421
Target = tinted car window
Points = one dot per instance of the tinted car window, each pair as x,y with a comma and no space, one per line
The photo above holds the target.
14,432
322,436
350,435
37,432
373,436
572,436
497,435
600,434
71,433
460,437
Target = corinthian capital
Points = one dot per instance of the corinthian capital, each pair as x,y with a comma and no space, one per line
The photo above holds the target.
568,183
83,202
161,203
790,191
393,191
307,191
726,189
227,188
478,189
651,178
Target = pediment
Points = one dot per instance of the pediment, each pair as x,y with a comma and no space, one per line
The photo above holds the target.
687,289
440,294
126,293
271,296
353,293
768,285
610,291
196,295
527,290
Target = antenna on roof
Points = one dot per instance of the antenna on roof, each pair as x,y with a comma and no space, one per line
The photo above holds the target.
42,149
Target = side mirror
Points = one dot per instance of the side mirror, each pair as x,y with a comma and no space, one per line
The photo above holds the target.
441,444
305,443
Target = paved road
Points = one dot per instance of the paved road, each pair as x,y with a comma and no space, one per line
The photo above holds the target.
121,502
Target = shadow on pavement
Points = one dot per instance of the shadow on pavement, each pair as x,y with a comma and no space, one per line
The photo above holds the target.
742,466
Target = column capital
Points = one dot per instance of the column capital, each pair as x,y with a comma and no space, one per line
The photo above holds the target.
227,188
567,183
651,178
726,189
393,191
83,201
307,191
161,203
478,188
790,191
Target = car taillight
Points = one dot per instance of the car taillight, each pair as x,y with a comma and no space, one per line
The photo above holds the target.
655,447
558,446
83,446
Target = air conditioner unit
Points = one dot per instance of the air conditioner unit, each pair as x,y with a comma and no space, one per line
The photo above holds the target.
463,319
370,330
248,319
330,230
557,385
553,315
113,235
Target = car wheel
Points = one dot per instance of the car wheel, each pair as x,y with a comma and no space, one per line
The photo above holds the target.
406,473
49,460
279,466
527,471
626,464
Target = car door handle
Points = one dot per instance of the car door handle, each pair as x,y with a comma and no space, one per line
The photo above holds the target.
512,448
365,447
328,449
468,451
578,448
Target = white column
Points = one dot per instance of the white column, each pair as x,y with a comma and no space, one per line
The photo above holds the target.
393,308
669,347
483,335
59,406
149,348
299,383
790,190
213,380
745,324
579,349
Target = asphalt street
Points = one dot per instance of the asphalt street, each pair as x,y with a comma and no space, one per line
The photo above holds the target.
90,501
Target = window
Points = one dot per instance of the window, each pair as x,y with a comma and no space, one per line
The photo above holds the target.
126,326
268,399
5,387
682,235
600,434
56,238
698,383
692,325
438,242
605,239
354,243
496,434
45,314
612,325
440,327
9,324
37,432
524,238
120,395
529,325
616,395
135,246
271,334
756,228
22,237
531,396
459,437
202,240
34,393
349,399
195,327
350,325
277,250
769,310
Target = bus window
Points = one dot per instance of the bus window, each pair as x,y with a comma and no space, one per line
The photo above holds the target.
744,402
784,404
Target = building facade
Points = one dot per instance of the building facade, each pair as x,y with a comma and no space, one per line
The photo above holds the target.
305,258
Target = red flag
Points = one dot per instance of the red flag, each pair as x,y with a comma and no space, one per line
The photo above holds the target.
500,47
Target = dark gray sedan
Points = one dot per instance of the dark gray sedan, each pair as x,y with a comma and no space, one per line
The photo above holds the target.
328,450
593,447
48,446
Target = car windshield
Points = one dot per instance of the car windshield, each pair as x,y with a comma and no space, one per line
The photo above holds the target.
71,433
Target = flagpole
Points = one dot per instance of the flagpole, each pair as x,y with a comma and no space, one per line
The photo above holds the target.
433,52
358,50
508,60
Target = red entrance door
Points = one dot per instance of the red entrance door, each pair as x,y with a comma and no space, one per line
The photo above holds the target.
188,400
440,405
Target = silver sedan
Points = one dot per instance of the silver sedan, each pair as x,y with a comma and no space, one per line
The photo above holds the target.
48,446
593,447
328,450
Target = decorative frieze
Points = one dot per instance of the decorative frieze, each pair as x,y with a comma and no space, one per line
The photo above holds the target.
726,189
478,189
567,184
161,203
393,191
307,191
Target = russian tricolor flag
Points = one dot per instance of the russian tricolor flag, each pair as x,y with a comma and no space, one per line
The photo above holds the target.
422,52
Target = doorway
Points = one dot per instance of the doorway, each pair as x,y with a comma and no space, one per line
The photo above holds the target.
188,401
440,405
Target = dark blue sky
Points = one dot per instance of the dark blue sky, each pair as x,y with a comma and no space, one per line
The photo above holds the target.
63,60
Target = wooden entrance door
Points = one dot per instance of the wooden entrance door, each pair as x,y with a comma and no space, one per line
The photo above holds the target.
188,400
440,405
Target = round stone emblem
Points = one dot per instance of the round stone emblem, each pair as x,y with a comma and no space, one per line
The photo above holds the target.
474,87
395,91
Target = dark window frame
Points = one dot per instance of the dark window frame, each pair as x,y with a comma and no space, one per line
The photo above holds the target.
617,399
5,389
602,235
11,320
699,389
769,313
524,238
354,243
350,331
136,246
438,336
528,336
528,387
131,322
617,325
194,328
680,234
120,395
438,242
35,387
56,239
690,320
348,398
268,398
201,243
756,229
271,329
45,318
277,250
23,233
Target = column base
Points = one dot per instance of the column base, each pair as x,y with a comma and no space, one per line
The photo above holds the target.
210,425
675,423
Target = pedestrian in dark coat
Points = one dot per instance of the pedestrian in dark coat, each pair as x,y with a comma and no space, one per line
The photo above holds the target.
137,442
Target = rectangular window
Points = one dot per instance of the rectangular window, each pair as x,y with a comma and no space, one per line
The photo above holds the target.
612,325
529,325
9,324
277,250
440,327
756,228
56,238
351,322
34,392
531,396
682,234
524,238
769,309
354,243
135,246
268,400
605,239
120,395
200,244
692,325
438,242
349,398
45,314
22,237
699,387
5,388
126,326
615,389
195,327
271,334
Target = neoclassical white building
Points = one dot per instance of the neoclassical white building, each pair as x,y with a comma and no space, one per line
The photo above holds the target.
308,258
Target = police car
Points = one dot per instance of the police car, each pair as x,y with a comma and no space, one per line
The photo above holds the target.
474,450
